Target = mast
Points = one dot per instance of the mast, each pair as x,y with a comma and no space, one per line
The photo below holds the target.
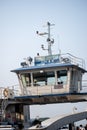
49,40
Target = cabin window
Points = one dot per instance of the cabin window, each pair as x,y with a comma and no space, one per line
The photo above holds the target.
43,78
26,79
62,76
39,79
50,78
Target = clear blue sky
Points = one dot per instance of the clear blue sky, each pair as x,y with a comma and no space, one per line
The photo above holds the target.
19,21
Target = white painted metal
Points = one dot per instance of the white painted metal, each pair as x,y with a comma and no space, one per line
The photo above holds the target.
59,121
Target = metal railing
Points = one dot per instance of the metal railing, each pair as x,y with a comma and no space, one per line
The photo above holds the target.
37,89
4,104
84,86
72,59
15,88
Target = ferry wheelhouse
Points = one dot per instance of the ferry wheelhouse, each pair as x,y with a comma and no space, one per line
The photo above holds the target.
51,74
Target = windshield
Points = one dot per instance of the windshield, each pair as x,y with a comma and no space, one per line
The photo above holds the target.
42,78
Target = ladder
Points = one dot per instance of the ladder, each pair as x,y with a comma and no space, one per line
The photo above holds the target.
3,106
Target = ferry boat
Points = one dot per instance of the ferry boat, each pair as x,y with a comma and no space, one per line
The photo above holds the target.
54,78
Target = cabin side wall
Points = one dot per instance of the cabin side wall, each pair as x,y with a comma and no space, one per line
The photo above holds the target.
76,81
68,80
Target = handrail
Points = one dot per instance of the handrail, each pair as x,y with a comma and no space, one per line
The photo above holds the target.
73,59
15,88
50,89
84,84
17,91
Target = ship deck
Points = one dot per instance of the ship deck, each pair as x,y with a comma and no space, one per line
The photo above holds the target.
51,98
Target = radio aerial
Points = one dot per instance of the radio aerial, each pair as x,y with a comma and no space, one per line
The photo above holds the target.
49,40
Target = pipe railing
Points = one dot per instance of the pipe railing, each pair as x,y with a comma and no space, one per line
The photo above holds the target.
51,88
73,59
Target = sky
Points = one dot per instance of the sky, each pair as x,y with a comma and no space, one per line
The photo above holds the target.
19,21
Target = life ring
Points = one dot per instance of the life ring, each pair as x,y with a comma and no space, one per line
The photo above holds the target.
6,92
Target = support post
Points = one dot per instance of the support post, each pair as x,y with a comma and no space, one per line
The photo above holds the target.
71,126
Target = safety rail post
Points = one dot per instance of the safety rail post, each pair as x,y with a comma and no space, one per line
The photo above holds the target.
84,84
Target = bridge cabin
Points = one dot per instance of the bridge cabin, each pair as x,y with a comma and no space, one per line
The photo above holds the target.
52,74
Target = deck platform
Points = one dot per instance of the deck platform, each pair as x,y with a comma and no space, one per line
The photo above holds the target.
51,98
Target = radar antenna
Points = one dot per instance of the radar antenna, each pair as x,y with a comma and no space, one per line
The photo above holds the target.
49,40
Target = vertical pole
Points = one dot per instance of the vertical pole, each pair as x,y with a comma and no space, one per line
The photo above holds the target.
71,126
21,86
49,40
68,80
56,77
31,79
26,113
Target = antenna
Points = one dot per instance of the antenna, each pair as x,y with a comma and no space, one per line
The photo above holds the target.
59,49
49,40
